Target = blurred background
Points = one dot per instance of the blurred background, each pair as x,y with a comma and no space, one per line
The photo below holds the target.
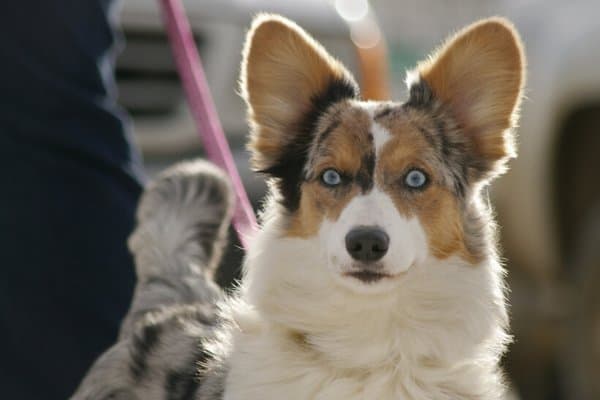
548,205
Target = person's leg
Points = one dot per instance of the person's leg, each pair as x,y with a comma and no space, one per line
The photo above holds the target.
70,184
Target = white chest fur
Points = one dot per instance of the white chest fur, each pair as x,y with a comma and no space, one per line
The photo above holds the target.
272,364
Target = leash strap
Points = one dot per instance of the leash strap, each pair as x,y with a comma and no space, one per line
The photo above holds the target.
203,109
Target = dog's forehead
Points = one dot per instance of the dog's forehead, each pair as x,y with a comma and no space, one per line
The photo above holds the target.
354,128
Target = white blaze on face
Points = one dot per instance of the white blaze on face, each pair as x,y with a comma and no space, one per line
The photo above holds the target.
380,137
408,242
380,134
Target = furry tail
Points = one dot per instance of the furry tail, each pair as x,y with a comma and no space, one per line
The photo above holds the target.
182,223
182,220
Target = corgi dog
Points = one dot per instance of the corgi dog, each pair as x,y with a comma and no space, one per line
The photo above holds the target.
374,274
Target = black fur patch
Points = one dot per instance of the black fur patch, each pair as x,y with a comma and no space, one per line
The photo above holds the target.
383,112
142,344
183,383
420,96
365,176
288,169
445,142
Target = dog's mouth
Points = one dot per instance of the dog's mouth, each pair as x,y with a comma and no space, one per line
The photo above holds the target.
368,276
371,274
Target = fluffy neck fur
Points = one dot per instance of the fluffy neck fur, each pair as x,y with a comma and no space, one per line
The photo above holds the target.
439,335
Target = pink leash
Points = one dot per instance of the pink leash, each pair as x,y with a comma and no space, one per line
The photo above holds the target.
203,109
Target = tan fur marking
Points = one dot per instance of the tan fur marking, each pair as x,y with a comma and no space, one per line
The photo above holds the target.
316,204
441,218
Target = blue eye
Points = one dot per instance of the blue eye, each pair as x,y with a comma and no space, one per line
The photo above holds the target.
331,177
415,179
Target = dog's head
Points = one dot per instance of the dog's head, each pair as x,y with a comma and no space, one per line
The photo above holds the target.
382,186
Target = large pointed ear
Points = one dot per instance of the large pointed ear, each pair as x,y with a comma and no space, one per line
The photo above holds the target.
287,80
478,76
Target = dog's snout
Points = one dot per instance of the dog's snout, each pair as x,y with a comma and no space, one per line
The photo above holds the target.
367,243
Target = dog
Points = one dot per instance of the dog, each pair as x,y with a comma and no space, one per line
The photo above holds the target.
374,274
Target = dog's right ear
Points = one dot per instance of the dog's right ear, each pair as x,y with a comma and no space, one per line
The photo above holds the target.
287,80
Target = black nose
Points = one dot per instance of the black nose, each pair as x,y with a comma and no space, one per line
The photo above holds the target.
367,243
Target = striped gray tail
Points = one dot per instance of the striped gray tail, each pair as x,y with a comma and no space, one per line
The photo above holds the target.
182,223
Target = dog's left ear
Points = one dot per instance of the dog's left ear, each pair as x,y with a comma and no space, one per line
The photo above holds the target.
478,75
287,80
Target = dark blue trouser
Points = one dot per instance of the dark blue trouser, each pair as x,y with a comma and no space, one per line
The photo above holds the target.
69,182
